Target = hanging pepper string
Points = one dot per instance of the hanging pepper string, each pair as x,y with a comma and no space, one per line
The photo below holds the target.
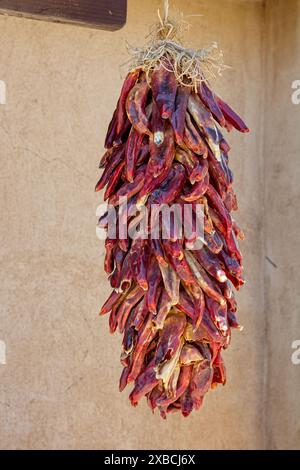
167,26
166,10
164,47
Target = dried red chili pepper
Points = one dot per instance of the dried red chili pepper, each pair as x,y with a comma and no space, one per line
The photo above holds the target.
231,116
136,107
131,153
178,116
209,99
193,139
172,299
164,88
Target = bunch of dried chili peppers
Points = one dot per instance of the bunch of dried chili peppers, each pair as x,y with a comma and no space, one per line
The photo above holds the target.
174,304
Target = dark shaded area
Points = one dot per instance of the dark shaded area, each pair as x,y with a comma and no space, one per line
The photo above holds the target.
103,14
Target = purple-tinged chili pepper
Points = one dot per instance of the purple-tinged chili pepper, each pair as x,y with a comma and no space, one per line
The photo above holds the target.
231,116
144,384
218,204
114,161
195,168
114,181
181,266
154,280
159,252
139,256
200,383
109,261
145,336
143,152
129,189
164,88
161,154
170,339
111,131
129,83
211,264
187,404
230,200
210,100
213,242
219,371
131,153
112,300
178,116
170,187
119,257
136,107
202,278
218,314
132,298
192,138
232,320
197,191
164,307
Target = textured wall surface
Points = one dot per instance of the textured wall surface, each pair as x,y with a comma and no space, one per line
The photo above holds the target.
59,388
282,216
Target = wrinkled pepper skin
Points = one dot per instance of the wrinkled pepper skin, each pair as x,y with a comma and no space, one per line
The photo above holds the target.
129,83
133,145
231,117
178,116
119,120
209,99
164,89
136,107
172,299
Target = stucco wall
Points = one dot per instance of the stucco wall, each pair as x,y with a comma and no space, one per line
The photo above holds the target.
59,388
281,230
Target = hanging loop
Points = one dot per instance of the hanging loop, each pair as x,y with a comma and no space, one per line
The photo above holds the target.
166,11
167,26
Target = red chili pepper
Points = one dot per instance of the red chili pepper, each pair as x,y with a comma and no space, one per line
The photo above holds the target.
219,375
211,264
178,116
114,161
128,190
164,307
170,187
154,280
136,107
131,153
170,339
162,152
164,88
144,384
114,181
210,100
129,83
139,256
192,138
173,301
218,204
197,191
231,116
